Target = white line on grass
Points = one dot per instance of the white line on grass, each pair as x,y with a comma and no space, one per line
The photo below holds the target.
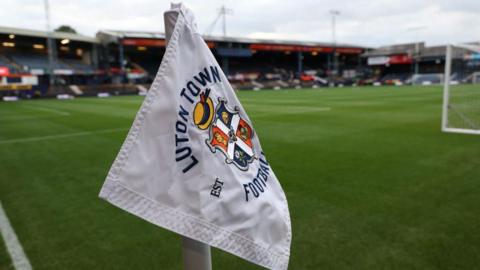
60,136
38,108
19,259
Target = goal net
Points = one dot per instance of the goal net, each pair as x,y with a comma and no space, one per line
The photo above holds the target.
461,97
476,77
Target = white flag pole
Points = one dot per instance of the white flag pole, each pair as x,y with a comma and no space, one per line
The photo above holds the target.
196,255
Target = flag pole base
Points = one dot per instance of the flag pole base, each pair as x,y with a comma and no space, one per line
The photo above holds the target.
196,255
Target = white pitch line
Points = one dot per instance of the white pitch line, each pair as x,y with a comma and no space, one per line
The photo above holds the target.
60,136
14,248
47,110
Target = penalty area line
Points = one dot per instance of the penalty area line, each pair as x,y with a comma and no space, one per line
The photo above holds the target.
61,136
14,248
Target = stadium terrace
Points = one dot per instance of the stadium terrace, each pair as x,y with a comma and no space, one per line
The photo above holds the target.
125,62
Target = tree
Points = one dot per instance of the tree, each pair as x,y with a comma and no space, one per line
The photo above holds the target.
65,28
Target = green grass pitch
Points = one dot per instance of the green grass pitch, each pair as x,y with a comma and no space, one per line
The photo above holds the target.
371,182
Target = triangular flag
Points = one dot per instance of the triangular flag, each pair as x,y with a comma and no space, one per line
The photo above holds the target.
192,162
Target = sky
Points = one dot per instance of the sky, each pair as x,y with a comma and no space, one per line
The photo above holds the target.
361,22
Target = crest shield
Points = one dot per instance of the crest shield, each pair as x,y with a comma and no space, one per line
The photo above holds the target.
232,136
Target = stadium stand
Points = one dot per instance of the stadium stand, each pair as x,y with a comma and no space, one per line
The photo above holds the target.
30,61
40,61
250,63
118,62
23,53
416,63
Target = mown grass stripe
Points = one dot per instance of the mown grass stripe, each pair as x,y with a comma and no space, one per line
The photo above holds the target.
60,136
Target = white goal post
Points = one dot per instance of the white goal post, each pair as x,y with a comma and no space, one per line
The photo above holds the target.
461,102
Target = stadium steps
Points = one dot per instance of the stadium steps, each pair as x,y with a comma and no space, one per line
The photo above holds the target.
76,90
142,88
137,66
257,84
57,90
282,83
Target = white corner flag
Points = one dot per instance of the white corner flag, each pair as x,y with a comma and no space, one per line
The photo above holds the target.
192,162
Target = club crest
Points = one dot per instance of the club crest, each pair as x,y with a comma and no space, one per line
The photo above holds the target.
229,133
